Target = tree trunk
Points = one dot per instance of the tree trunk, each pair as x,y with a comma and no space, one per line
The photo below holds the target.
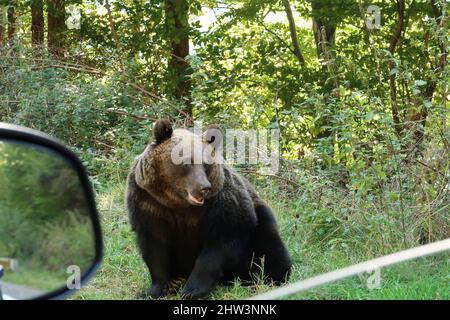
3,24
37,23
112,25
177,22
11,23
56,27
2,35
324,28
396,37
293,31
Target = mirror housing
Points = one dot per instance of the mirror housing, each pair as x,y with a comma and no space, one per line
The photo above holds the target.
26,136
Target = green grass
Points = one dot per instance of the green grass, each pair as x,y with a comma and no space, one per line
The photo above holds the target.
317,245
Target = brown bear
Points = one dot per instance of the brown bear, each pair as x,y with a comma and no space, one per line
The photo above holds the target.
199,220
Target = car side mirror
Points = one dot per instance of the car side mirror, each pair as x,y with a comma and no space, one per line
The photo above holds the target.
50,237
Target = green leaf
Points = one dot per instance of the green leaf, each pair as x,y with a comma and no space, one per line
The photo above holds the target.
427,103
370,115
420,83
393,71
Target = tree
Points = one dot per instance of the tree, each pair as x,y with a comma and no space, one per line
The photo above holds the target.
2,25
2,34
37,23
324,28
293,31
177,23
12,19
395,38
56,26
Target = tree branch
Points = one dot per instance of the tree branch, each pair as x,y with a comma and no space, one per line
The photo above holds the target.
112,25
293,31
399,27
275,35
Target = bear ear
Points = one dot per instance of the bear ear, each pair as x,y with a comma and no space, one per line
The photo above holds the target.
162,130
213,134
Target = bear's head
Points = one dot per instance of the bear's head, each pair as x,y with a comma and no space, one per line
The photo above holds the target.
181,168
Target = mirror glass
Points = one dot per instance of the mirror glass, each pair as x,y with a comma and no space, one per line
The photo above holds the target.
46,233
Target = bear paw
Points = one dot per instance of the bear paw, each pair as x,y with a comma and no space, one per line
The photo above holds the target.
193,292
156,291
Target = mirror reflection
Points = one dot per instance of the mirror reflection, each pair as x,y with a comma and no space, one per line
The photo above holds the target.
46,236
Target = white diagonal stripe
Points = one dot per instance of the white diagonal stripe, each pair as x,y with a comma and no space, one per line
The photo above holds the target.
384,261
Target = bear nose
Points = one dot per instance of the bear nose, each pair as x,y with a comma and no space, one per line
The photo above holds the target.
205,190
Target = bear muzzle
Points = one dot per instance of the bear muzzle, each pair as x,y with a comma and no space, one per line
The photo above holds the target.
199,199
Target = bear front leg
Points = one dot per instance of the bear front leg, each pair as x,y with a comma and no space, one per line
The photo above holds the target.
209,268
207,271
156,257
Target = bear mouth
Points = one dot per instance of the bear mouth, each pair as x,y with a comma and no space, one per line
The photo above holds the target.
197,201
